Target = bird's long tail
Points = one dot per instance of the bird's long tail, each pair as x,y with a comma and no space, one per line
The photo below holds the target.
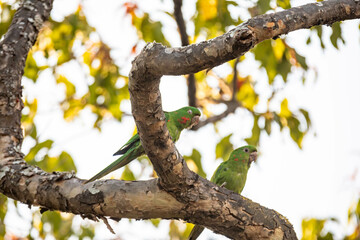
118,163
195,232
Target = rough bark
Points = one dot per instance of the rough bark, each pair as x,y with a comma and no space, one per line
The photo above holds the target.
14,48
135,199
178,193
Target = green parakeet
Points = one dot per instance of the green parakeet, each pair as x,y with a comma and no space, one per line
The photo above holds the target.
231,174
176,121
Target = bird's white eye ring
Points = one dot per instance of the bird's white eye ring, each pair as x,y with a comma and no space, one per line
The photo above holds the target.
189,111
246,150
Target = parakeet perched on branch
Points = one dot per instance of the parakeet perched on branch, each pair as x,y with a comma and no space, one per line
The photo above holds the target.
176,121
231,174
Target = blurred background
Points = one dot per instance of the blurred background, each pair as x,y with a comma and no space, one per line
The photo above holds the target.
296,98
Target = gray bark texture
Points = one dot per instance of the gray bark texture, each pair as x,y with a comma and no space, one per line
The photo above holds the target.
178,193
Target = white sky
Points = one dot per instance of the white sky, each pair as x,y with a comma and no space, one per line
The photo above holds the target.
313,182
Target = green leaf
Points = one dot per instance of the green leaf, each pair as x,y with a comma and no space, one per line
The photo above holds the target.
87,232
70,88
27,118
264,6
224,148
265,55
318,30
194,163
32,70
328,236
268,126
311,228
296,134
301,60
150,30
336,35
307,117
127,174
246,94
177,232
255,133
213,17
308,41
3,211
60,227
6,14
357,210
30,157
65,162
155,221
285,4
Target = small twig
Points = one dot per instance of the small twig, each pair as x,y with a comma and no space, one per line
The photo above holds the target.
231,107
191,90
107,224
234,80
180,22
184,42
223,85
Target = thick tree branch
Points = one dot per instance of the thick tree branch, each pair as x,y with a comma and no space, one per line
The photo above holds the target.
64,192
156,60
134,199
14,48
184,42
236,42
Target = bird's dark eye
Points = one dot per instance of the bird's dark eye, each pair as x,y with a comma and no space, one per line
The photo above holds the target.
189,111
246,150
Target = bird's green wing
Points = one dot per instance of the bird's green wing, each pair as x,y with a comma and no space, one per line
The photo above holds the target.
135,151
230,178
132,141
176,121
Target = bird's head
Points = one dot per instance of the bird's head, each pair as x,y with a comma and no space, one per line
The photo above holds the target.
247,153
187,117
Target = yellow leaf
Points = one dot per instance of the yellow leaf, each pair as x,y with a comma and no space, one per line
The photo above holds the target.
278,48
208,9
247,96
191,164
285,112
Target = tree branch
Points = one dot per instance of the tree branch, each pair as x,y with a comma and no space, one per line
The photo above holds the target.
14,48
231,105
133,199
156,60
236,42
184,42
65,192
178,189
231,108
234,80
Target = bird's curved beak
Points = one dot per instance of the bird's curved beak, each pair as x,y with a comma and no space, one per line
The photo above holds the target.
253,157
194,121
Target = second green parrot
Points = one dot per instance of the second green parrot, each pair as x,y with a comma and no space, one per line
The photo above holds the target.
231,174
176,121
